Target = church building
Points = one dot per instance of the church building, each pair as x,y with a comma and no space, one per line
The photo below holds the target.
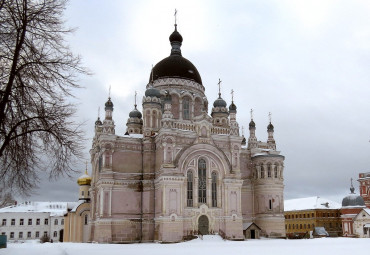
179,170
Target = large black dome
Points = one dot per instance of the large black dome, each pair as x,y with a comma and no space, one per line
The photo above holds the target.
177,67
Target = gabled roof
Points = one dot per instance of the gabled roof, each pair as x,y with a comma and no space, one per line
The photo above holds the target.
247,225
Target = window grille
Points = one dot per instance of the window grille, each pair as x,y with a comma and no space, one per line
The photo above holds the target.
202,182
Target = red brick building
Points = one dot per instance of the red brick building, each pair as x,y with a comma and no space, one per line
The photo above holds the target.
364,180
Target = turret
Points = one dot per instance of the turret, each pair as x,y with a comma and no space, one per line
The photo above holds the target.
134,123
84,181
234,126
270,131
252,140
152,110
220,113
98,124
108,123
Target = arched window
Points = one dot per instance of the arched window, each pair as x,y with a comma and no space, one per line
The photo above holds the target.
269,171
56,222
190,189
202,183
186,108
275,172
85,219
262,173
55,234
214,189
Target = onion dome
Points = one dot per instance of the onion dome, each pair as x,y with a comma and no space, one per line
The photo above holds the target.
98,122
232,107
270,128
152,92
353,199
84,179
219,102
135,113
175,66
109,105
175,36
244,141
252,124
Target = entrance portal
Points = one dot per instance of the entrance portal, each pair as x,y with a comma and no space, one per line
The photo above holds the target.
203,225
253,234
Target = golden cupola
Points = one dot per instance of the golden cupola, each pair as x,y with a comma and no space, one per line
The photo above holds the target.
84,179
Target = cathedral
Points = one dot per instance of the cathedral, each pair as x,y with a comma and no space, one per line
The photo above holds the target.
179,170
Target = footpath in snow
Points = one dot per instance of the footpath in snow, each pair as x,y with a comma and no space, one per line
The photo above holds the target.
209,245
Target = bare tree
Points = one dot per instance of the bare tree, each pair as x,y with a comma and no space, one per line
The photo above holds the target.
38,73
6,198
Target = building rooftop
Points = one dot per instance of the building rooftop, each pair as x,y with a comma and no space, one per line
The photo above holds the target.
310,203
54,208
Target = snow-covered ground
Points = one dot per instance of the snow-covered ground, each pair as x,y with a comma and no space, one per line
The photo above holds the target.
209,245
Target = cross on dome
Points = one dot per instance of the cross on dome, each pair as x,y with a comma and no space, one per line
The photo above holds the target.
219,87
270,117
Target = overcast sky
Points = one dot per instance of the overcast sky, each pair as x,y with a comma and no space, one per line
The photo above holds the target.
306,62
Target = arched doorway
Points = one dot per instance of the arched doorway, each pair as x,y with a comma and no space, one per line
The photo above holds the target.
203,225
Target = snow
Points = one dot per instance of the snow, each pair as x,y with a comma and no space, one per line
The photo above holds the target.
309,203
54,208
209,245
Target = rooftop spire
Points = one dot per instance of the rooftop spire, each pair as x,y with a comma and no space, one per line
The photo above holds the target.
243,130
175,19
251,114
135,99
98,112
232,96
270,117
109,91
352,189
86,168
219,87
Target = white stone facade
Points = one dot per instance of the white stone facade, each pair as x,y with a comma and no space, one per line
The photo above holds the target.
361,224
32,220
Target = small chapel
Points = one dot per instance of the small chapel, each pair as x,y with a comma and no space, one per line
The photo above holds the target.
179,170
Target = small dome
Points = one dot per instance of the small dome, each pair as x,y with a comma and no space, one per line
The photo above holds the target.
232,107
135,113
270,127
152,92
109,105
219,103
244,141
98,122
175,36
252,124
84,179
353,199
